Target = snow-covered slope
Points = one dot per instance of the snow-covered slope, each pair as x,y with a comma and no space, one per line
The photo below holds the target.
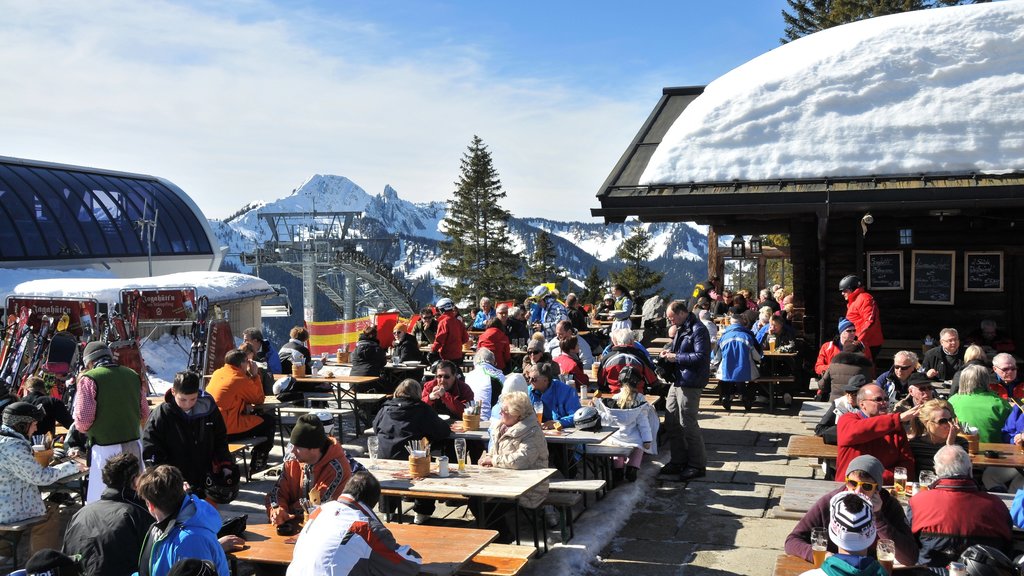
940,88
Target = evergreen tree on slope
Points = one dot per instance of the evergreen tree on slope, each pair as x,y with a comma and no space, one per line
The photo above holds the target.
808,16
477,254
635,252
542,267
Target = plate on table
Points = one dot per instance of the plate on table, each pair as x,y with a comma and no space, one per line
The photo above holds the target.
445,417
413,363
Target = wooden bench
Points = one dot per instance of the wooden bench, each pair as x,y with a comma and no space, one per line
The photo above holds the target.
770,381
12,533
243,446
600,456
584,487
786,565
498,560
388,493
564,502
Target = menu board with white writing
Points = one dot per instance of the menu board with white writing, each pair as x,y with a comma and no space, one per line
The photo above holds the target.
931,276
983,271
885,270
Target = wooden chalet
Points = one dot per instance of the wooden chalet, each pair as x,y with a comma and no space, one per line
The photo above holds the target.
936,249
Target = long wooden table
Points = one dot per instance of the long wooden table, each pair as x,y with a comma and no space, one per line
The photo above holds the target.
815,447
343,387
483,481
444,550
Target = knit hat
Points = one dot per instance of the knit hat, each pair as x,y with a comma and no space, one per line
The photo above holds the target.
844,324
50,562
869,465
919,380
535,345
19,413
855,383
851,523
514,382
96,350
308,432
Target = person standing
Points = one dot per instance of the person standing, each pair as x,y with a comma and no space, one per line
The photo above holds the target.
862,310
110,408
451,334
688,361
736,354
623,308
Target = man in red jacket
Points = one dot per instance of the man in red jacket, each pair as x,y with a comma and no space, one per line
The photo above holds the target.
872,430
451,333
447,393
862,310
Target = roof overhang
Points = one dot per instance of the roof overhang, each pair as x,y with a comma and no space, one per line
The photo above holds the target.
621,196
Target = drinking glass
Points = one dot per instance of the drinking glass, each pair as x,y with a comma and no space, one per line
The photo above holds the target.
538,407
460,453
885,552
373,450
926,479
819,545
899,475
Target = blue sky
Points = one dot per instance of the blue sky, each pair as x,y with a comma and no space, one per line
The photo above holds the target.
242,101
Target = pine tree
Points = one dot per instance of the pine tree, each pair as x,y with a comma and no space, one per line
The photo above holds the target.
636,276
542,267
477,254
809,16
593,287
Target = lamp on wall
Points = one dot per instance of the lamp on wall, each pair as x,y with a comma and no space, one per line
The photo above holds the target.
738,248
755,244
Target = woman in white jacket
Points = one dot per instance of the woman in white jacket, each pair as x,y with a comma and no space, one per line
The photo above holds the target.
636,420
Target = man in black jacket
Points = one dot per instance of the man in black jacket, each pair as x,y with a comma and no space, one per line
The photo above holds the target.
53,409
187,431
109,532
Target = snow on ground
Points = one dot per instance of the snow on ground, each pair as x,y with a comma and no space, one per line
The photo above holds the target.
217,286
926,91
164,358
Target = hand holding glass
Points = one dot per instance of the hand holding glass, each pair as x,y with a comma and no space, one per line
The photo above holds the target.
819,545
885,551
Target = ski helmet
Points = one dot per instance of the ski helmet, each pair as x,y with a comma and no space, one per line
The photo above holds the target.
540,291
327,419
445,304
222,485
982,560
850,282
586,418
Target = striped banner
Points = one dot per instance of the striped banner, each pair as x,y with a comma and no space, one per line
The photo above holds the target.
329,336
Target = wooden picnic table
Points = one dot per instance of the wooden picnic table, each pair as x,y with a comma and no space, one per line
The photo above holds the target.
343,387
484,481
663,341
815,447
444,550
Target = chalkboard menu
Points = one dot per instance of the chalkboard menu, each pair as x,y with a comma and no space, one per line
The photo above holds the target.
931,276
983,271
885,270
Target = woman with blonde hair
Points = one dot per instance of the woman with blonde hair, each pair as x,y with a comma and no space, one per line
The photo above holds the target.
935,427
520,445
973,356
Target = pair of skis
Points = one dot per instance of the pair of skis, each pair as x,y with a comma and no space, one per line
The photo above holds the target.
20,345
200,326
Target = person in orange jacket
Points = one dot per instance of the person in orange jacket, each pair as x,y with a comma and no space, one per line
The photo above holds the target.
237,389
316,472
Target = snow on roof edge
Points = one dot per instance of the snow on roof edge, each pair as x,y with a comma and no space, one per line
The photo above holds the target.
217,286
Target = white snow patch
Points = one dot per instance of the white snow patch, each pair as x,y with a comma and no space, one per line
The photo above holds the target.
940,88
217,286
12,277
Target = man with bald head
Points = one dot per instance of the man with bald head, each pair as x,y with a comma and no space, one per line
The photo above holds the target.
871,429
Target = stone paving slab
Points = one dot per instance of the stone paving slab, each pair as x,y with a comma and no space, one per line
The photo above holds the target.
631,568
750,500
743,454
642,551
774,474
657,526
716,561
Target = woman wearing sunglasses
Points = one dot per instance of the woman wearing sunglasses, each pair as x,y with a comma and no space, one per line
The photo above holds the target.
864,476
934,428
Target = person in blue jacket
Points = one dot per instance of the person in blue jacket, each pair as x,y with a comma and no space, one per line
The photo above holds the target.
185,527
560,401
736,355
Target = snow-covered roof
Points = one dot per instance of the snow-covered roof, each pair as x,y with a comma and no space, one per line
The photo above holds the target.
217,286
931,91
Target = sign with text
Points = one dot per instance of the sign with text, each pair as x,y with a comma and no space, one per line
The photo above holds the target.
885,270
932,276
81,311
163,304
983,271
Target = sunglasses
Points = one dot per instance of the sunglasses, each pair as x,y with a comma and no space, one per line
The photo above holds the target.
907,367
943,421
532,352
1007,369
866,486
531,379
880,400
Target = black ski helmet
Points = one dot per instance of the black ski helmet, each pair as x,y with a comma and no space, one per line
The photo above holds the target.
222,485
850,282
982,560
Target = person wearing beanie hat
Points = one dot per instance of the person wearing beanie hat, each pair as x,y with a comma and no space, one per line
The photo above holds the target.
864,478
311,449
852,531
110,408
50,562
21,475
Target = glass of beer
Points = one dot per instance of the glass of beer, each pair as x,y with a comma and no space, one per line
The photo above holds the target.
771,343
460,453
899,475
538,407
926,479
819,545
885,551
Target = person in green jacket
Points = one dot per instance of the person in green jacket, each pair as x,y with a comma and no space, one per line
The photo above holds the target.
978,407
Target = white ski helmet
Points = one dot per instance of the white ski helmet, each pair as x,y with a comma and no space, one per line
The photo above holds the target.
540,291
327,419
445,304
